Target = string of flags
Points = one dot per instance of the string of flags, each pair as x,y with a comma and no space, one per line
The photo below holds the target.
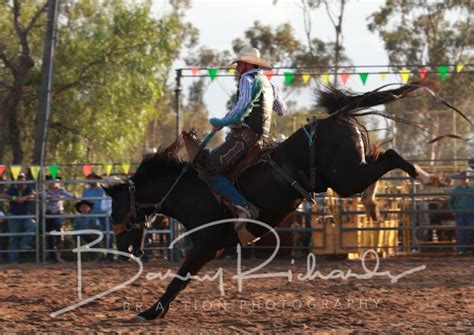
289,76
53,170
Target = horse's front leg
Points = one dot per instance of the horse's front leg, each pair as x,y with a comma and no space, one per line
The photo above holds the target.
195,260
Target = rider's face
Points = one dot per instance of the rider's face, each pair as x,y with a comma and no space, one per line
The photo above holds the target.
242,67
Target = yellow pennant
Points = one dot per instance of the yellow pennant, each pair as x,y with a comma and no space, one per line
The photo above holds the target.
126,167
459,67
383,75
325,79
15,171
405,74
306,78
35,169
231,71
108,169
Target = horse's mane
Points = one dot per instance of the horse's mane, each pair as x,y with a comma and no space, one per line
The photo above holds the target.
345,102
162,163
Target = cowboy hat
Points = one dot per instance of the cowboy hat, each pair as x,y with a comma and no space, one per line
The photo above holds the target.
93,175
252,56
84,202
49,177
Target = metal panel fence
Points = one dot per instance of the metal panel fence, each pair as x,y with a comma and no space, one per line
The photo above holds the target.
413,219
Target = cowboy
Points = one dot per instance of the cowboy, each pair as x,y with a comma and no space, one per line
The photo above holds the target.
249,121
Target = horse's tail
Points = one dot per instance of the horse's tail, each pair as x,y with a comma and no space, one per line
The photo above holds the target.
345,102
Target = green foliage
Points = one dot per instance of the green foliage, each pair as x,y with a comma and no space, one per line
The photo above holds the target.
422,32
113,59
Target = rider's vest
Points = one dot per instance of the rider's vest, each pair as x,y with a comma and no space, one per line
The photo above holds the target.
260,117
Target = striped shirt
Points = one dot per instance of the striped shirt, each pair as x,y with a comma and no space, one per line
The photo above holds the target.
54,203
245,96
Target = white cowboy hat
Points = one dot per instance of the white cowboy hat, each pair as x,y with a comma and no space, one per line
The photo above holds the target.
252,56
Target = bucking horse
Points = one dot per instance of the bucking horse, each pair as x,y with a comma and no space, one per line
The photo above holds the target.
324,153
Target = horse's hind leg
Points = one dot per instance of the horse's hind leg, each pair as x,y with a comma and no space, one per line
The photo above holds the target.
352,179
195,260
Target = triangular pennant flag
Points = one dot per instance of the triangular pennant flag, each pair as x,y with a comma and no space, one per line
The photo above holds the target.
87,168
2,169
194,70
15,169
443,71
126,167
344,77
306,78
422,71
383,75
363,77
212,72
325,79
35,169
288,78
405,74
231,71
269,74
53,170
108,169
459,67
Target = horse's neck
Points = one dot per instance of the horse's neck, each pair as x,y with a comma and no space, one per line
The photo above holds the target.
294,152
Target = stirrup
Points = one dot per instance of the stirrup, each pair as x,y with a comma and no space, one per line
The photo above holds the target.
248,211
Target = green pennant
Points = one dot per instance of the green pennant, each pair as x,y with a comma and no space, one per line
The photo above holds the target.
53,170
363,77
443,71
289,78
212,72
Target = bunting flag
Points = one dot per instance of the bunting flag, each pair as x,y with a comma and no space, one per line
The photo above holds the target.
15,169
212,72
2,169
194,71
422,71
443,71
344,77
35,169
325,79
306,78
288,78
231,71
126,167
459,67
269,74
363,77
108,169
405,74
53,171
87,169
383,75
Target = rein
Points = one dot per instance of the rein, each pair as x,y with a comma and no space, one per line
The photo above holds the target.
127,223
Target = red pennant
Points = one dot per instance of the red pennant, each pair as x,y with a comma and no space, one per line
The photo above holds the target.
422,71
269,74
87,168
344,77
194,70
2,169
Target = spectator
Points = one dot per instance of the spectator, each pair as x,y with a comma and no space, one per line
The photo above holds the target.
462,198
96,195
3,229
55,194
85,208
102,205
19,195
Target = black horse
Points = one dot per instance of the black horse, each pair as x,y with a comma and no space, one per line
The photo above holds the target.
339,157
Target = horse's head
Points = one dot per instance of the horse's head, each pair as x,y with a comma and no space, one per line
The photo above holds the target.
128,220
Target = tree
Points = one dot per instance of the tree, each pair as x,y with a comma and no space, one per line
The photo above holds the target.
424,33
113,60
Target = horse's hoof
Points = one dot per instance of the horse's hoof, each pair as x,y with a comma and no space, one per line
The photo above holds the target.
138,319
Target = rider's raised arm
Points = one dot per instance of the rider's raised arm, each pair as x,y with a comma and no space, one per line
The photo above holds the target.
245,96
279,106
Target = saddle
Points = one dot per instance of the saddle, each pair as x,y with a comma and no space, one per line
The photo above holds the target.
251,158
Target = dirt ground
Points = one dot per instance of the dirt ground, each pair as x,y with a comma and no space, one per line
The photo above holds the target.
438,299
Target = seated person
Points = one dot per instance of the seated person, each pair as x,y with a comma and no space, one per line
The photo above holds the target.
86,222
